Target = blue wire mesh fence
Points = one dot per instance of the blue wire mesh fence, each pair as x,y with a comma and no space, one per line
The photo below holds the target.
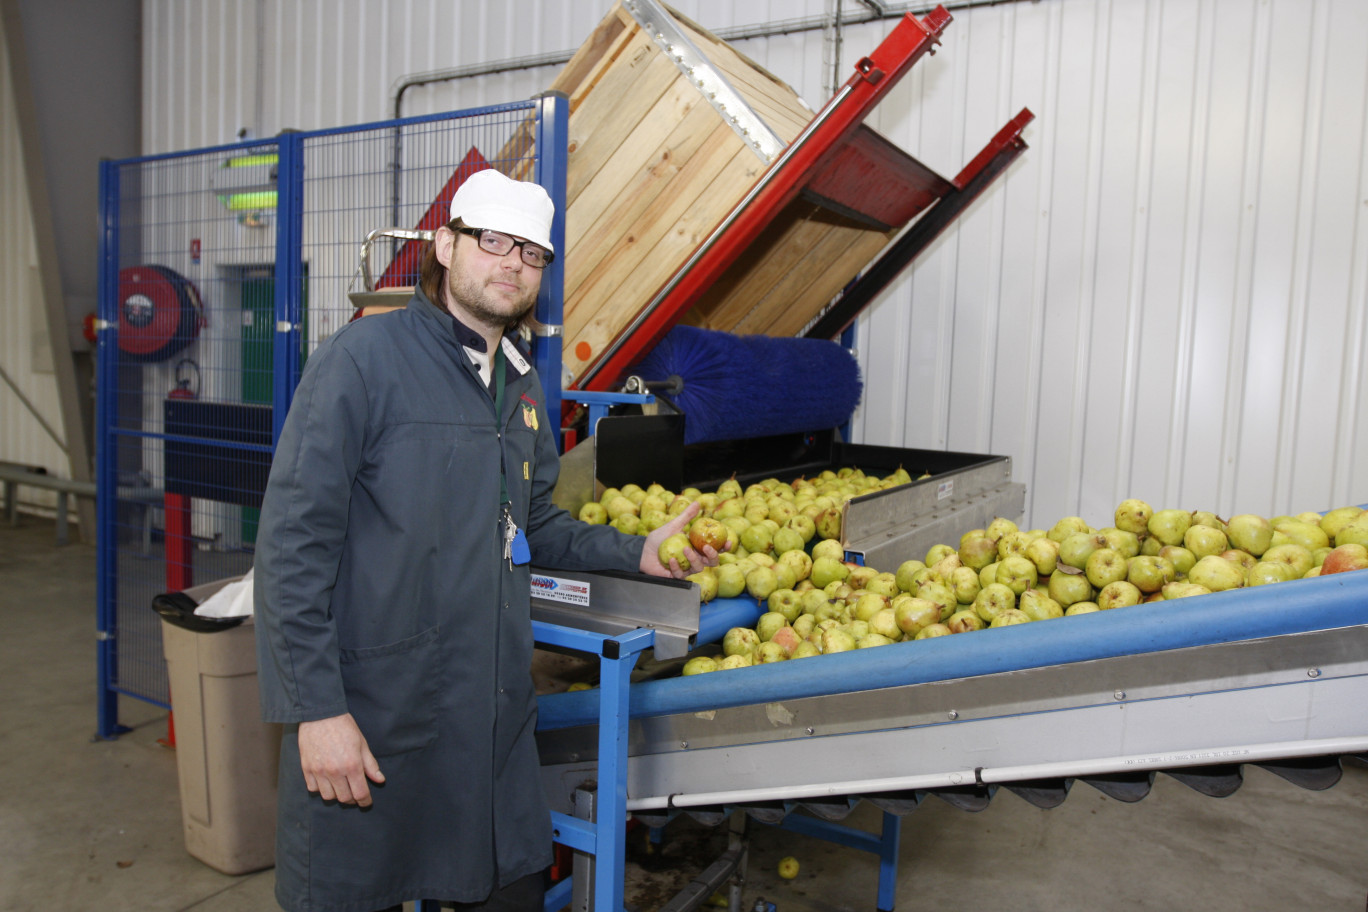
222,269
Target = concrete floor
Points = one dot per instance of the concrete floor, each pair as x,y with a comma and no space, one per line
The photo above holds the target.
95,825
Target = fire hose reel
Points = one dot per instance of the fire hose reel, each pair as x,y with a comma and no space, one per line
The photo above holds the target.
160,312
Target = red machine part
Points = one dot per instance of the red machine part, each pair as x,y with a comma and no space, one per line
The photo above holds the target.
403,269
836,162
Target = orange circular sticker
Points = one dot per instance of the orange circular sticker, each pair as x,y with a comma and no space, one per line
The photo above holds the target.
583,350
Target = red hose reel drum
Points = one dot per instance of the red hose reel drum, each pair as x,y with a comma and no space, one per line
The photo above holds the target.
160,312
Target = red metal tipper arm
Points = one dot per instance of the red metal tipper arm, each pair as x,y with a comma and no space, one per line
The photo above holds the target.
834,134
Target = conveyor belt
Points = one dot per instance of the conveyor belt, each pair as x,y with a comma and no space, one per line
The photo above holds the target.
1195,688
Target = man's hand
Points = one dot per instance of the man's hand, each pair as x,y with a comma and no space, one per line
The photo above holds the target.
650,554
336,760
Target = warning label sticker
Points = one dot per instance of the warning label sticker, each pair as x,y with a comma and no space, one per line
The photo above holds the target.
554,589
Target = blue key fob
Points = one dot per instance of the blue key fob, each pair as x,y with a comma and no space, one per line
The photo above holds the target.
518,551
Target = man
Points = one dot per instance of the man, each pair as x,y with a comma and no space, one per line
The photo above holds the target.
392,586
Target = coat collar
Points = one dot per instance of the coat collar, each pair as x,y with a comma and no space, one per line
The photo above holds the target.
471,342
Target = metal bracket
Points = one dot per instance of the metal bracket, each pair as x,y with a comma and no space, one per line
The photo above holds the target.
656,20
869,72
543,330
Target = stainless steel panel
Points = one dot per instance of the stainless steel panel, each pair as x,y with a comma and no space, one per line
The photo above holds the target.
901,523
619,604
888,548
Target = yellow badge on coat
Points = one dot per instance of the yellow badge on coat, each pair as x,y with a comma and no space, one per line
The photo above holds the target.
529,416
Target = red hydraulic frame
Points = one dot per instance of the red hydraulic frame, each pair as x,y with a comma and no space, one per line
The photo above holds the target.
809,163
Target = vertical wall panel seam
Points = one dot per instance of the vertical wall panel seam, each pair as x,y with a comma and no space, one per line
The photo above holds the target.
238,120
182,138
1299,287
215,131
277,119
1091,211
1140,213
1245,258
998,234
1089,297
1193,219
949,286
151,111
1040,277
1356,333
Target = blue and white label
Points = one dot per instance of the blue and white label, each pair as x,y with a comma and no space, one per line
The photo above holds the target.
945,489
565,591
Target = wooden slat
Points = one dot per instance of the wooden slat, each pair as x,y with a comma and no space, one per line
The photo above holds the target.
852,250
789,274
670,230
606,212
624,96
621,282
595,56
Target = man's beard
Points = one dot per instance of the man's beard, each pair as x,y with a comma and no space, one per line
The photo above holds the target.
480,303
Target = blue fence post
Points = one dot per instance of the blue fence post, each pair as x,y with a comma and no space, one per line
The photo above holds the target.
289,276
106,481
552,146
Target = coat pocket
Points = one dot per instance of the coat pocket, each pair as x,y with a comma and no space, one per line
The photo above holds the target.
393,690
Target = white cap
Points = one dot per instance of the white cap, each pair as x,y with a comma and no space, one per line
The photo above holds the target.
490,199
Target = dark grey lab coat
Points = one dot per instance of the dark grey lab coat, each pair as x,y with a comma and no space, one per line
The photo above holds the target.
381,591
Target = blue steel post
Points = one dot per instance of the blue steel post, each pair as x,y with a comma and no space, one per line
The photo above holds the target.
888,861
606,838
289,276
610,820
552,144
106,490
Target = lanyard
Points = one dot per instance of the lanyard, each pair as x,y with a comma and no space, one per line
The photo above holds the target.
499,383
515,549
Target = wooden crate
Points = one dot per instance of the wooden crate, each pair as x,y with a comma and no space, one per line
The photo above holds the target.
654,167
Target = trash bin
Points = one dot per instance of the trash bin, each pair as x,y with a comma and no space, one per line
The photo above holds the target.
226,757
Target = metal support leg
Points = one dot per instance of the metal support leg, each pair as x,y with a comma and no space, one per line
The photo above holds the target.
606,839
582,869
736,841
610,821
888,861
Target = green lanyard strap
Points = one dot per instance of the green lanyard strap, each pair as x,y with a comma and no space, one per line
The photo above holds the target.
499,383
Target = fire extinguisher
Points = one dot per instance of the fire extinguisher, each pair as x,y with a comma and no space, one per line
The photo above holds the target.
183,388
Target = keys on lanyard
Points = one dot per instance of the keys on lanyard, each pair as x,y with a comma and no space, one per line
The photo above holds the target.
515,549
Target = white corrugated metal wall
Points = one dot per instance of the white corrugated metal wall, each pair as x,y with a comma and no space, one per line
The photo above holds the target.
1163,299
25,356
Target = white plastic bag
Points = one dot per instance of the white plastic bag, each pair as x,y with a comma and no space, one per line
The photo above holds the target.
233,600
